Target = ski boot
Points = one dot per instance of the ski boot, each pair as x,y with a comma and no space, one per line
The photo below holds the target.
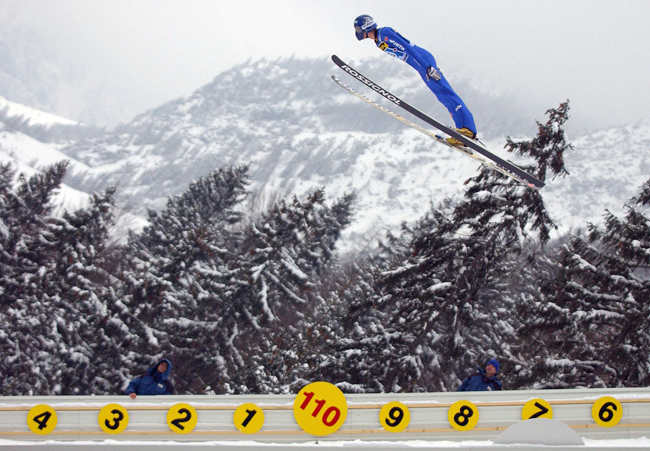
463,131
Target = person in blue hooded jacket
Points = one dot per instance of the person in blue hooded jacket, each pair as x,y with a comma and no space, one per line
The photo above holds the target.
154,382
484,380
393,43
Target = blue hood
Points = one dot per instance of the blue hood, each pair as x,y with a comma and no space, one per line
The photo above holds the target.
153,371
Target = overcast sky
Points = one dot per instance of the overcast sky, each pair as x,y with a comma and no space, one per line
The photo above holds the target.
594,52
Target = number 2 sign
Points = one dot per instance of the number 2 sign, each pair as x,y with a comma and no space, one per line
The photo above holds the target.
182,418
320,408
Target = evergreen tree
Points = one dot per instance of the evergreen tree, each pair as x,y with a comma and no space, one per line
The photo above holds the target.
55,338
445,301
26,340
591,321
191,238
24,213
217,295
79,294
260,316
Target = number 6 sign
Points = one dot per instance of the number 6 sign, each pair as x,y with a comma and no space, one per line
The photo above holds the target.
607,411
320,408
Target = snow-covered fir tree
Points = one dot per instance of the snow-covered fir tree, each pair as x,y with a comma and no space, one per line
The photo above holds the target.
27,337
590,321
443,305
269,309
228,299
79,293
56,292
192,237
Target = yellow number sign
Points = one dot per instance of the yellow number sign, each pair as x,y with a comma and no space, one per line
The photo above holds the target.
394,416
182,418
463,415
41,419
248,418
607,411
113,418
320,408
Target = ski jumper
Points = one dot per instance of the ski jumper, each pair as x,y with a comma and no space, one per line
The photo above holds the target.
420,59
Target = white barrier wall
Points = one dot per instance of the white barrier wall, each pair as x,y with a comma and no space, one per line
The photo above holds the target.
593,413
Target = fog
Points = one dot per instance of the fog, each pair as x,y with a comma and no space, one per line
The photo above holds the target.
141,53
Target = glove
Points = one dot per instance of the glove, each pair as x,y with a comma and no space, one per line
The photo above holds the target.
433,73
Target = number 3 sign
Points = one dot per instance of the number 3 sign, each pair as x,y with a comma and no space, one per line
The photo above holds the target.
320,408
113,418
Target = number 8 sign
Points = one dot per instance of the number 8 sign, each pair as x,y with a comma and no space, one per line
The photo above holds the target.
320,408
463,415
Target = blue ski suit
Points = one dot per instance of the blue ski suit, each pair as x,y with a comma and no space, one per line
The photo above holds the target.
393,43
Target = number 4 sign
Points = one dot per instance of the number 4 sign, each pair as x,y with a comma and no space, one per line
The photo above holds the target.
41,419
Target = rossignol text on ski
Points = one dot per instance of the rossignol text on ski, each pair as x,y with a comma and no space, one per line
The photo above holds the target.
470,147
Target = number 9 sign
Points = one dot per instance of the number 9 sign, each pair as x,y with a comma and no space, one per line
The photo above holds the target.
320,408
394,416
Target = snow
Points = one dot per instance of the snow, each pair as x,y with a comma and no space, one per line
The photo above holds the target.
297,139
34,117
293,268
439,287
29,156
643,443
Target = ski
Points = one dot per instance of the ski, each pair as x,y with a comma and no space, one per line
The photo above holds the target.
464,150
472,148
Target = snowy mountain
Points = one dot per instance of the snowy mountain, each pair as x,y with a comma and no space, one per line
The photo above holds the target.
29,154
298,130
31,115
607,168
